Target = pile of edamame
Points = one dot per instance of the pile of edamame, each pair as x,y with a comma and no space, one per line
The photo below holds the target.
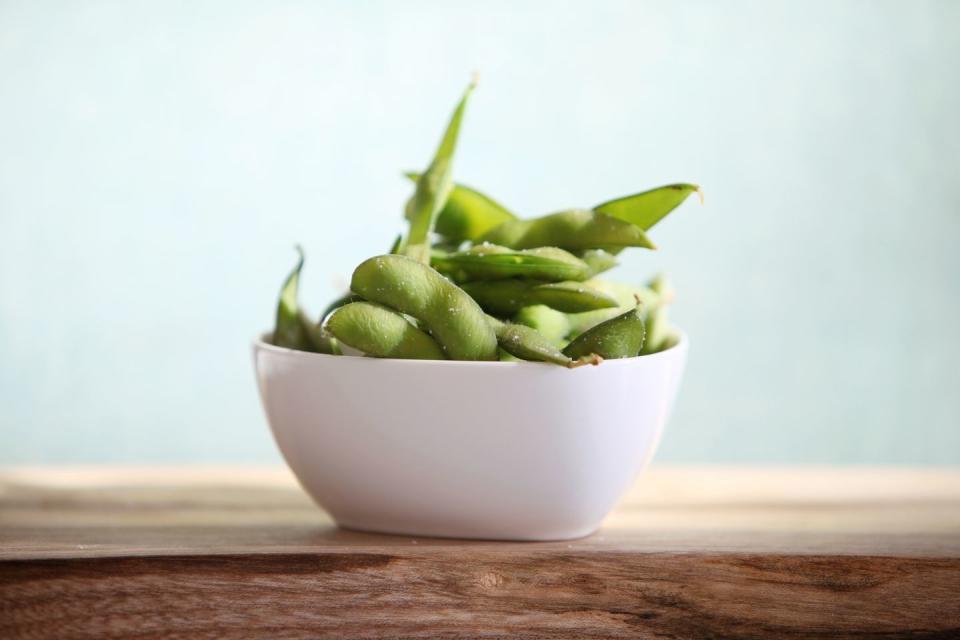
472,281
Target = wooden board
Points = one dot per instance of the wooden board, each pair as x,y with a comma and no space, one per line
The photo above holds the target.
690,553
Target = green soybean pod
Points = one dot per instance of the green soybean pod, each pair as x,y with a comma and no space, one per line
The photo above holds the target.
397,244
317,338
349,297
671,340
506,297
448,314
346,298
659,333
649,207
619,337
574,230
293,328
529,344
580,322
553,324
288,329
626,296
493,262
468,213
381,332
599,261
433,188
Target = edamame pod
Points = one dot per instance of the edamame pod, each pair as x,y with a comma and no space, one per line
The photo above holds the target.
381,332
553,324
648,208
658,327
599,261
397,243
346,298
626,296
318,340
433,188
468,213
671,340
574,230
529,344
294,329
580,322
492,262
289,330
619,337
506,297
448,314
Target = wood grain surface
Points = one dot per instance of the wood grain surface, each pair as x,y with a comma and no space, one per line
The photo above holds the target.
690,553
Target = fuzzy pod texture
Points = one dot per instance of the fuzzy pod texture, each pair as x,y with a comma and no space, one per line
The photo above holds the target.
443,309
619,337
553,324
493,262
525,343
381,332
659,333
289,330
506,297
468,214
574,230
626,296
647,208
599,260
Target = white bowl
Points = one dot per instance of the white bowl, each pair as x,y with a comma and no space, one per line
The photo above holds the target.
496,450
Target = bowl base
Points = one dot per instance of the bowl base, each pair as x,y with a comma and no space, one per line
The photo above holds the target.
504,536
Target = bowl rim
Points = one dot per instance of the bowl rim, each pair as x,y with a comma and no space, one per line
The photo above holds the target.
261,343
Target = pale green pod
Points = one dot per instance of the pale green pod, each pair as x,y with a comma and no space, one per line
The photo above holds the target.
553,324
575,230
529,344
293,328
381,332
670,340
433,188
580,322
619,337
289,330
659,333
649,207
506,297
397,244
493,262
504,356
441,308
626,296
339,302
317,340
468,214
599,261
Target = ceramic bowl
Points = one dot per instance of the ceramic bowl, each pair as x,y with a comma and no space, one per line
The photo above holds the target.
495,450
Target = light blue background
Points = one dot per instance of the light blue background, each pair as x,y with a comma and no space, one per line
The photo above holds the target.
159,160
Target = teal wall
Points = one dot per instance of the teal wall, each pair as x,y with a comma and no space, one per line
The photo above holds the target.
159,160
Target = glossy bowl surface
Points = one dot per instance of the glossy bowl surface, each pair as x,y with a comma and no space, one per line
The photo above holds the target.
495,450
